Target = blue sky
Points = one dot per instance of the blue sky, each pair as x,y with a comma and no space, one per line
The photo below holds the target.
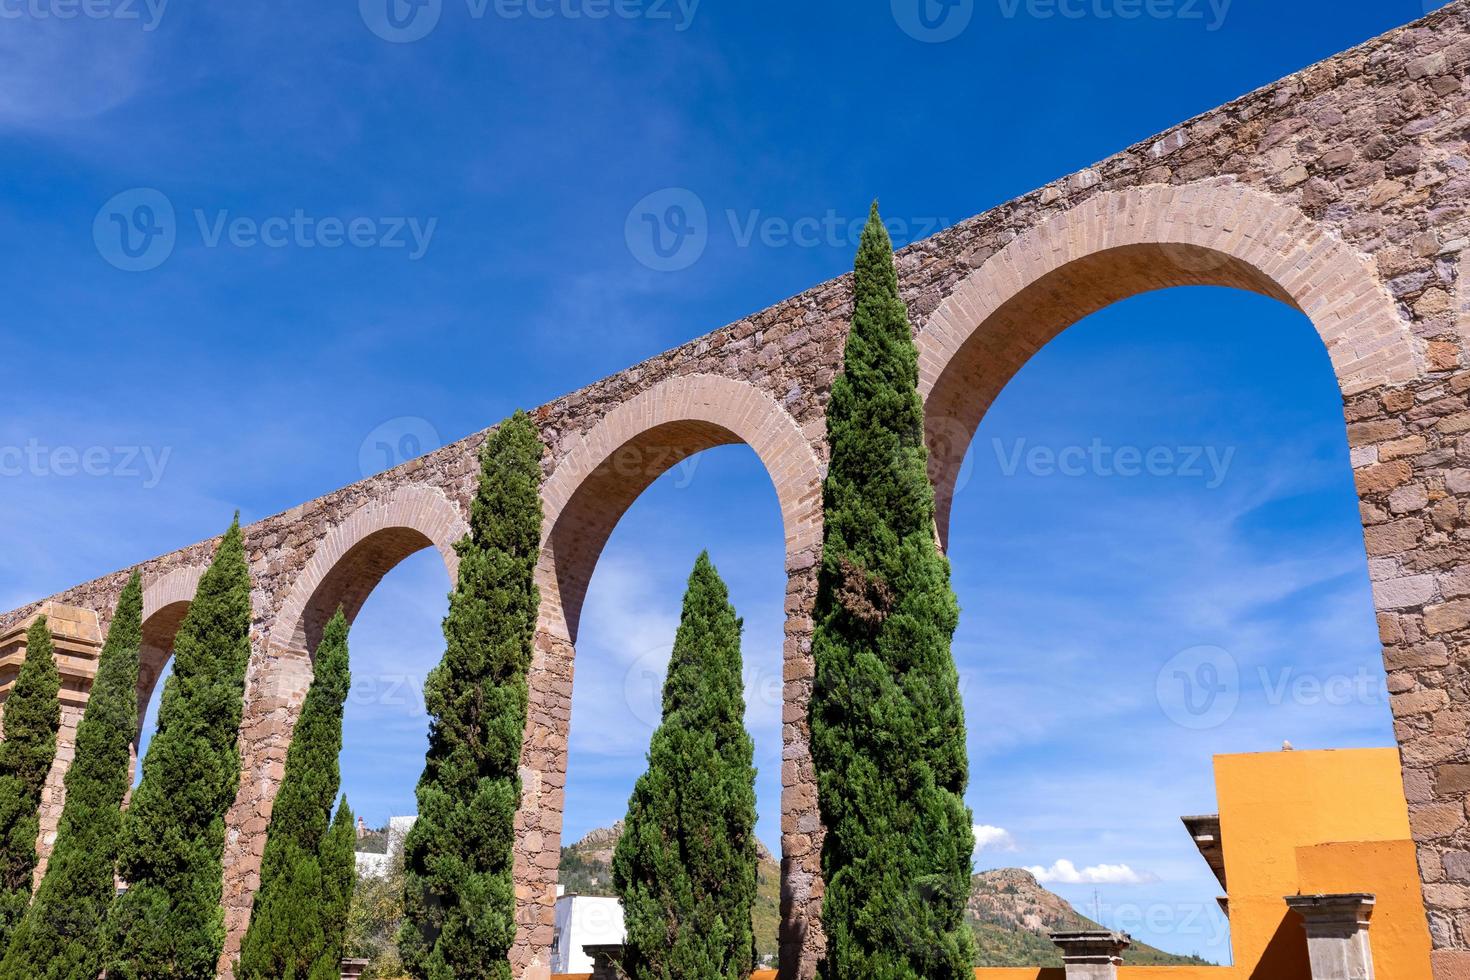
377,237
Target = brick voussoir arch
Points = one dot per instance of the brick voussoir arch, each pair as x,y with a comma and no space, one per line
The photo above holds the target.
172,588
705,410
1120,243
1295,260
415,516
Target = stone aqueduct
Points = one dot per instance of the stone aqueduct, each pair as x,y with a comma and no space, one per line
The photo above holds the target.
1343,191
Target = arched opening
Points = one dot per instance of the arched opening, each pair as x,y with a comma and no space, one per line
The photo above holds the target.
718,500
665,432
1165,488
344,569
165,603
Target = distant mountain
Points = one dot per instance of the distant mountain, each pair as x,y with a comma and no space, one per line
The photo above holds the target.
1012,915
1009,910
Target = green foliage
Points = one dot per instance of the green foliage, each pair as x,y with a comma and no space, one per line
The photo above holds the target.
60,936
373,920
169,925
685,866
32,717
888,731
459,895
299,910
339,876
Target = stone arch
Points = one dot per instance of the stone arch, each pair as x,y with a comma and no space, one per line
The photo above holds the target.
638,441
1118,244
347,564
165,601
355,555
593,484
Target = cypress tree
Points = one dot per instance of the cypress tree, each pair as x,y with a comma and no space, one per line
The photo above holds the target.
459,895
60,936
888,731
295,919
685,867
339,877
169,925
31,720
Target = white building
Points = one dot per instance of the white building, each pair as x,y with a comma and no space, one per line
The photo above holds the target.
371,865
583,921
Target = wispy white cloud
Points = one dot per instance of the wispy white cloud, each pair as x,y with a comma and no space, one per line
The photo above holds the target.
1064,872
56,73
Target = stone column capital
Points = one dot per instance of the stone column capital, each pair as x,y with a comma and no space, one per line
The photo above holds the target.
1092,954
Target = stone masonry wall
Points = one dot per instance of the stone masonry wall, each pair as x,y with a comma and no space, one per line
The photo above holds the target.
1367,148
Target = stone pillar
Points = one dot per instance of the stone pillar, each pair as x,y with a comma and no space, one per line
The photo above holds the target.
1337,934
543,799
275,688
77,638
1409,448
802,939
1092,954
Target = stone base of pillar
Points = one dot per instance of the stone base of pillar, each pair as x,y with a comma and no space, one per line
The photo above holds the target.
605,961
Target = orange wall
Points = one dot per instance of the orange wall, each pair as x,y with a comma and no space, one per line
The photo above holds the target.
1389,871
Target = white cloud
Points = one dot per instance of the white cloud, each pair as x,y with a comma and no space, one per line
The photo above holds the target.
1064,872
993,838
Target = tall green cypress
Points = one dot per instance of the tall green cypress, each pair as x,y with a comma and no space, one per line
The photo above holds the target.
60,936
338,860
459,894
169,925
32,718
685,867
888,728
292,925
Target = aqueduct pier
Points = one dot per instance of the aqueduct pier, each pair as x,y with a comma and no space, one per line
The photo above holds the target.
1342,191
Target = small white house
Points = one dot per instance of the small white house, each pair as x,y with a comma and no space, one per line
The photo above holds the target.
370,865
584,921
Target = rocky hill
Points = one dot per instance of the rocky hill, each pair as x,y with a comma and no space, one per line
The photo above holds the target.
1009,910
